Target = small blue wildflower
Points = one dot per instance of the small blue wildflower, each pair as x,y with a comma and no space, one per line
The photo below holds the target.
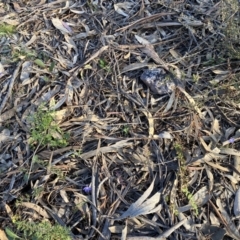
231,140
87,189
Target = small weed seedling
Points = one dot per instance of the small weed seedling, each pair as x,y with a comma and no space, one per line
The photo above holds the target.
183,178
22,53
103,64
37,192
125,130
6,29
38,231
76,153
44,130
196,77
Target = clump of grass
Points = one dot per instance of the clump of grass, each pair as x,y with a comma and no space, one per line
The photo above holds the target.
38,231
183,178
6,29
45,131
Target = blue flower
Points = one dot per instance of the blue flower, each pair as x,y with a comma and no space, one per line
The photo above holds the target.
231,140
87,189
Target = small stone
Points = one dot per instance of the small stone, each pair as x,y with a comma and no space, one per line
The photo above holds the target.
158,81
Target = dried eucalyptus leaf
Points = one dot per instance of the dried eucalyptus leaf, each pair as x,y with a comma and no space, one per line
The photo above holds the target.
215,232
232,230
236,208
141,206
62,26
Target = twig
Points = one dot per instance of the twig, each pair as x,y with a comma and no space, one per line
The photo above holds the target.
144,20
10,86
74,72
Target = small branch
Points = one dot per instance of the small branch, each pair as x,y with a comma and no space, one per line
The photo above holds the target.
12,80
